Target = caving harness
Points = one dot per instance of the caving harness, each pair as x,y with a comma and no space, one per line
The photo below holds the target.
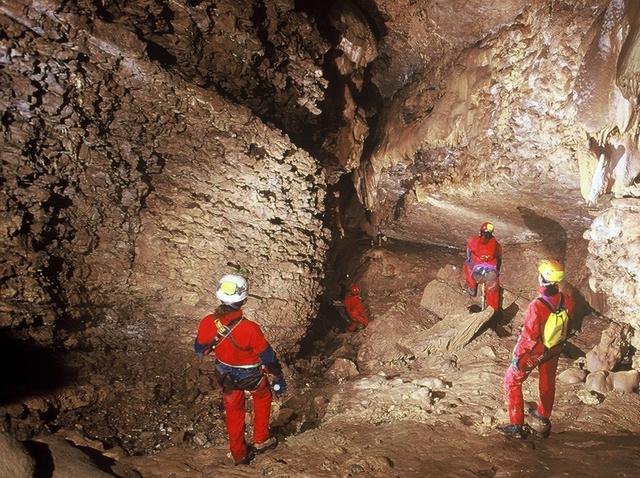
225,377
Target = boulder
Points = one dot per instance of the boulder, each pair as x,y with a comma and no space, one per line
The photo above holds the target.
70,461
452,333
626,381
598,382
572,375
15,461
442,299
590,398
343,369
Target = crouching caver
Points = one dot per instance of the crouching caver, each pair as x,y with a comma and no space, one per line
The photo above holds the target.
354,308
243,359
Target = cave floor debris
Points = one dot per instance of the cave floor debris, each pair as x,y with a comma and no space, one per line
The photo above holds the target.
406,414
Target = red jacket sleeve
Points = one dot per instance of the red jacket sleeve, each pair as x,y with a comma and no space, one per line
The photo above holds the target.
206,331
530,335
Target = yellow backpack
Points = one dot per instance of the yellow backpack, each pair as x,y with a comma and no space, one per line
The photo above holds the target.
557,326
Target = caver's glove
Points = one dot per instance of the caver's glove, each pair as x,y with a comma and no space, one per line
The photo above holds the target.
202,349
514,362
279,386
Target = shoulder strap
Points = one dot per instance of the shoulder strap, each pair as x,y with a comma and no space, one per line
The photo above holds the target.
550,307
546,303
230,327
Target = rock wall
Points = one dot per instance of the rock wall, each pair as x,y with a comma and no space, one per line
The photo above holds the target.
494,112
608,94
614,261
128,191
606,98
265,55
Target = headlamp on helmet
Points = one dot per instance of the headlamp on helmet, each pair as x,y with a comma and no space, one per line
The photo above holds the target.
486,230
232,289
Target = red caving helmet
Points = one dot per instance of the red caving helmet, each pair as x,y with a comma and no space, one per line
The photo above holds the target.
486,227
355,289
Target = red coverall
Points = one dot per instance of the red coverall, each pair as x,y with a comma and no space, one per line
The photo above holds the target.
528,350
481,250
355,310
248,336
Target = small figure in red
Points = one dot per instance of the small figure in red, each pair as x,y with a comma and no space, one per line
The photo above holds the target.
355,308
484,254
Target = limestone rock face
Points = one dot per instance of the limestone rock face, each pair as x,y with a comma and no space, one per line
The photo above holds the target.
265,55
129,190
606,99
614,261
614,344
420,34
460,140
15,461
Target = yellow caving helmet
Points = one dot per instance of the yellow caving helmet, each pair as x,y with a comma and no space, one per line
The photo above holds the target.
551,271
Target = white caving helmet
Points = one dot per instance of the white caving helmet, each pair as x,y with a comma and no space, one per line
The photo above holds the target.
232,289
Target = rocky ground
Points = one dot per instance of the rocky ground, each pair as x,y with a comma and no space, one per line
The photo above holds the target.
403,397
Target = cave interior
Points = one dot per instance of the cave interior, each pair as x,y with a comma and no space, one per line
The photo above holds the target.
150,147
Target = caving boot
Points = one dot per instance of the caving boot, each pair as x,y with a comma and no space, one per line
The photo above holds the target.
269,444
514,431
539,424
247,458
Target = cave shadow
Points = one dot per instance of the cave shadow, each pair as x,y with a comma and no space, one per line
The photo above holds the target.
500,321
572,351
581,309
28,369
104,463
42,457
551,233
